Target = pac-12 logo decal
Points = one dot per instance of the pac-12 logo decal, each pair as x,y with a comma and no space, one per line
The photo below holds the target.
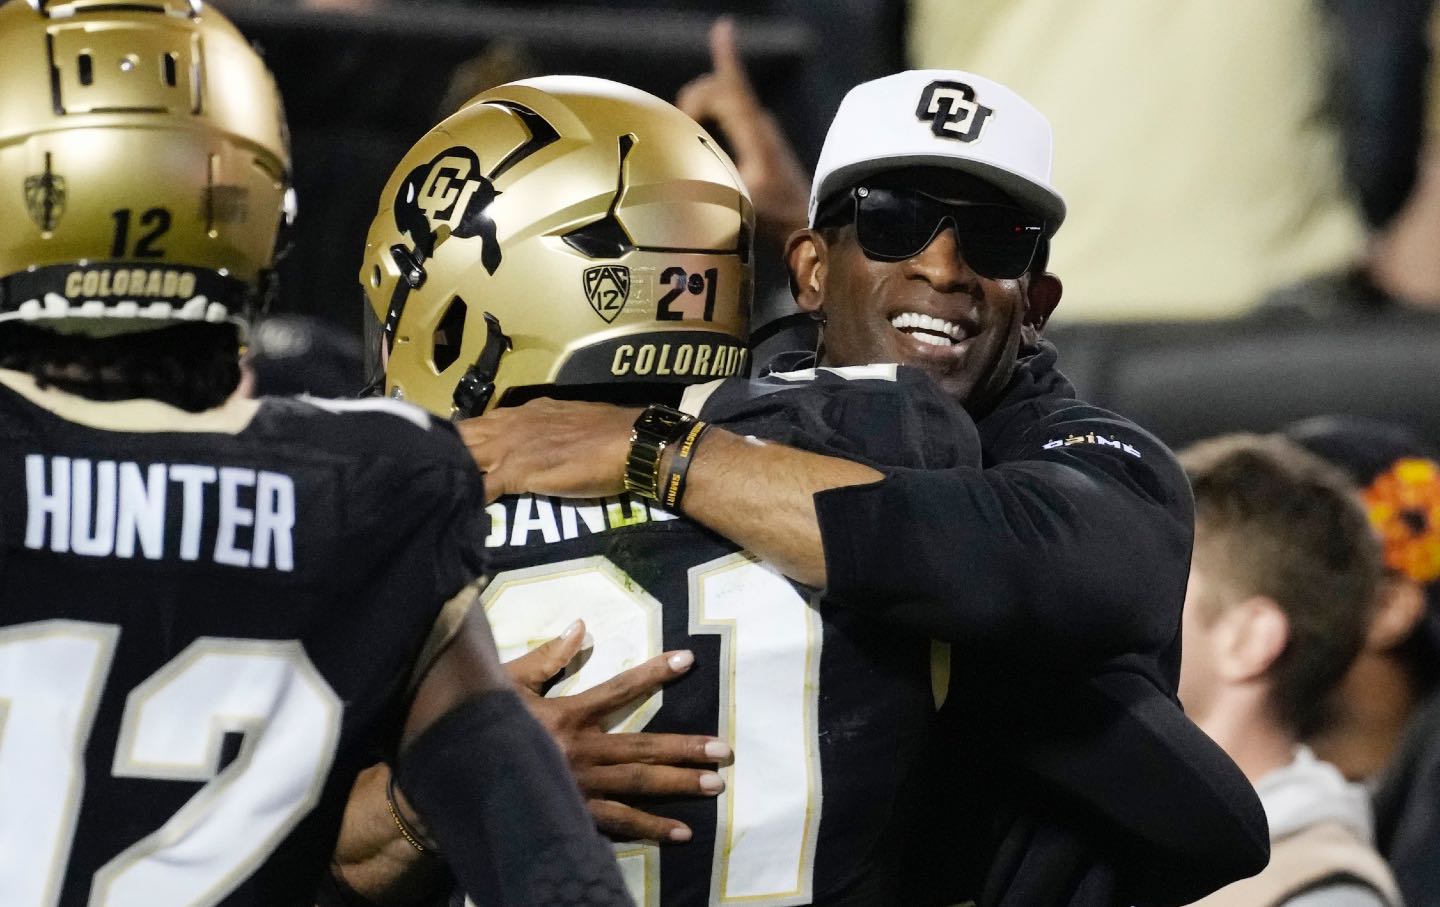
607,287
452,190
45,197
952,111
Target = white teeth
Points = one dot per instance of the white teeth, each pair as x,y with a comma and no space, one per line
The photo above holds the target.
927,323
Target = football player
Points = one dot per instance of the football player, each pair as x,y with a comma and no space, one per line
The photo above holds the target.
213,610
576,238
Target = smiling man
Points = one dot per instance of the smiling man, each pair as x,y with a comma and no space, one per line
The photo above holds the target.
931,213
1057,570
924,265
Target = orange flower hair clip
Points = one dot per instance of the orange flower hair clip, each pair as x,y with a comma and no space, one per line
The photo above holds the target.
1404,507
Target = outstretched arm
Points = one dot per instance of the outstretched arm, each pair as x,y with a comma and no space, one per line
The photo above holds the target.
761,496
573,449
1062,550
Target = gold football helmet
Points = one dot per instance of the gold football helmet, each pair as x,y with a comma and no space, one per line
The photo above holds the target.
557,231
144,165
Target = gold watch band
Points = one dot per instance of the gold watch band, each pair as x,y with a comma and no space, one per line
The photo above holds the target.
655,429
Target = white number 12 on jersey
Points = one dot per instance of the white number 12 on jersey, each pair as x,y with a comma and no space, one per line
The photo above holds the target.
52,675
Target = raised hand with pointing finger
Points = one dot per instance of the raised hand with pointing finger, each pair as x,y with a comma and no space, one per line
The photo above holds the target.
724,101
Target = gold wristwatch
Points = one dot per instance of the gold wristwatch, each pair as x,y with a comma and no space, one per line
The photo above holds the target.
656,428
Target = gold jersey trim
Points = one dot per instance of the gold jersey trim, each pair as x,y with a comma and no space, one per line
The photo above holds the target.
143,416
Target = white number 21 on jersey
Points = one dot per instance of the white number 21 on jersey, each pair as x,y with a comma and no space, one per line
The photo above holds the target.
770,662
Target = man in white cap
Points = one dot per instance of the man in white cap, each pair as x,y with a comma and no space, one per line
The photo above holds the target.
1057,571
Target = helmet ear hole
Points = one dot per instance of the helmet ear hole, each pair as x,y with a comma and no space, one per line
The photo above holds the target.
449,335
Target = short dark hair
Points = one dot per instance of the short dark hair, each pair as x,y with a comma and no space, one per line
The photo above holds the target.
1273,520
192,366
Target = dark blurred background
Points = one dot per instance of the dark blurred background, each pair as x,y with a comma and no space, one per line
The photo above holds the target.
1254,233
363,81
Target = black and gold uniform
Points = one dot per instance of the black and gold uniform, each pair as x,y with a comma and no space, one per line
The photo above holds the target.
827,710
206,622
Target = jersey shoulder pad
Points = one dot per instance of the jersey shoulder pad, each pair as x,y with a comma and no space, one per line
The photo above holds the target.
378,426
884,415
885,371
382,405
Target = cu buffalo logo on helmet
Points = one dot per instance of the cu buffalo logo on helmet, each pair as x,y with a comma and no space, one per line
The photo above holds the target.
45,198
608,288
952,111
450,191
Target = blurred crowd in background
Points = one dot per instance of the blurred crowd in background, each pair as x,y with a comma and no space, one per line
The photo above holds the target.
1226,163
1214,154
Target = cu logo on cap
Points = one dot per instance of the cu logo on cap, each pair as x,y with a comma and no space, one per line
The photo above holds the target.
952,112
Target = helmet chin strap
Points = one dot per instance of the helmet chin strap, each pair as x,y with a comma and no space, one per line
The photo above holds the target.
477,386
412,277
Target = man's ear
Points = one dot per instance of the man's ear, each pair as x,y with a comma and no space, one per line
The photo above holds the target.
805,254
1252,634
1042,296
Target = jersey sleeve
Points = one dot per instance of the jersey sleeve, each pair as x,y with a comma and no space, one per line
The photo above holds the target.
409,529
1111,753
439,517
1073,545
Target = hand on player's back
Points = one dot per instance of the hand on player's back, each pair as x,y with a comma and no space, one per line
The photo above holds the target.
610,767
555,447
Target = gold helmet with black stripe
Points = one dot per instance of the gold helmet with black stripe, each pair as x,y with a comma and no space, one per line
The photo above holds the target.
565,231
144,166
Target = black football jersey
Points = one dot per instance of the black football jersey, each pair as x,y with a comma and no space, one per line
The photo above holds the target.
207,625
827,712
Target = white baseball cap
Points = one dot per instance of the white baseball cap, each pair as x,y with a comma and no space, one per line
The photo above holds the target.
940,118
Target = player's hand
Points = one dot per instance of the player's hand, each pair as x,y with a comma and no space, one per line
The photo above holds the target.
613,766
724,99
557,447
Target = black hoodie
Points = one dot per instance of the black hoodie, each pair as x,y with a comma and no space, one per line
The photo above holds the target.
1057,572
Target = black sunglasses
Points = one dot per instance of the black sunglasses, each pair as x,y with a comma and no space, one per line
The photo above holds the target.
997,241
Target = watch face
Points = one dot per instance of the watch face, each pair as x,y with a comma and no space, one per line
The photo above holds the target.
662,420
657,427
